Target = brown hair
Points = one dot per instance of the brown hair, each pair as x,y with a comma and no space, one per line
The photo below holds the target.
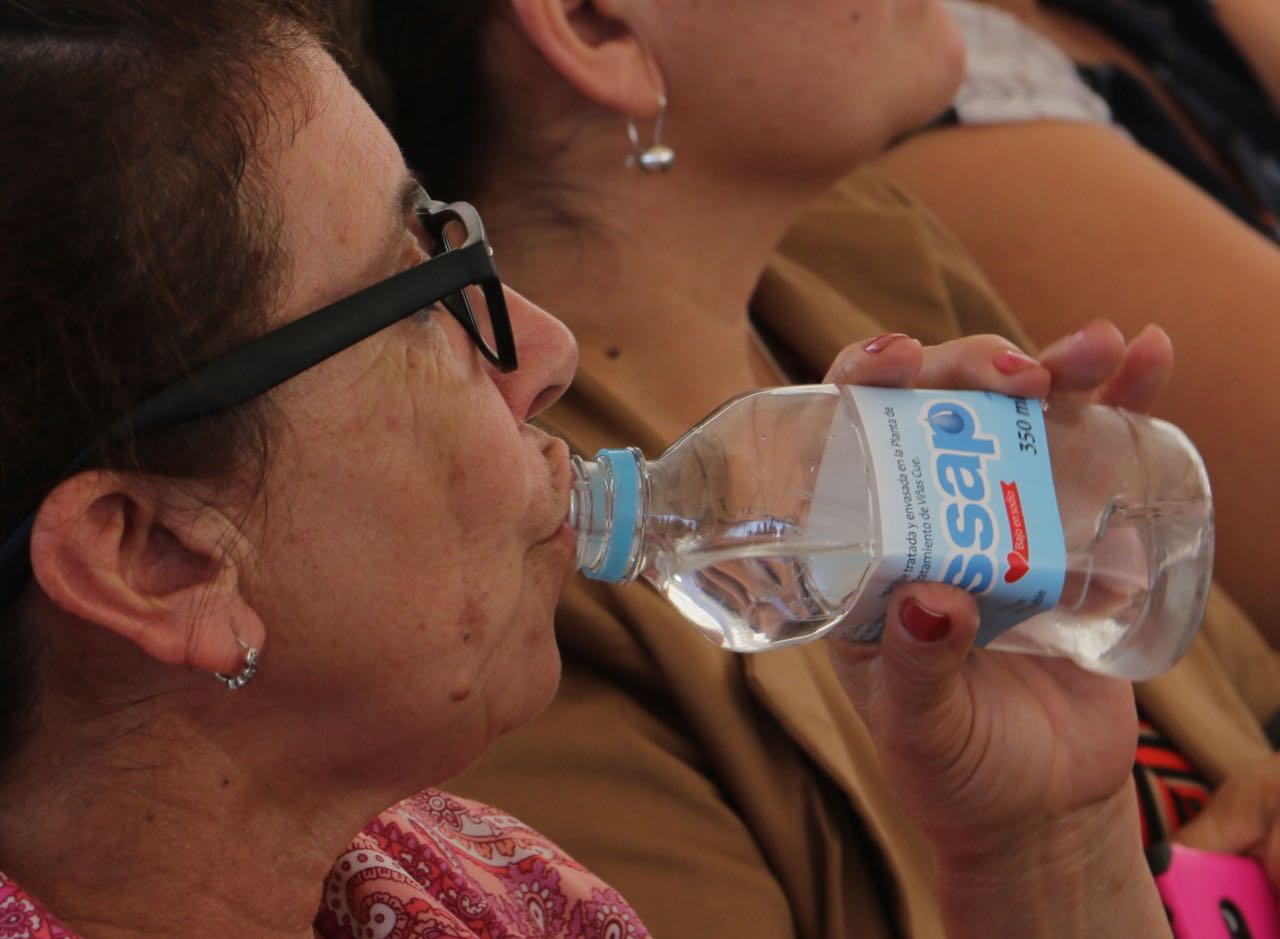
135,243
421,65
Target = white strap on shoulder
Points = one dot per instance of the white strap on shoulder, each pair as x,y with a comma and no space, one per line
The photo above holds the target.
1014,74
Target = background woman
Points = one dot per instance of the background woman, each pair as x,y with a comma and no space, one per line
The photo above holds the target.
750,772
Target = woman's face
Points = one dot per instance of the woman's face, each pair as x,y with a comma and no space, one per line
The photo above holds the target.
806,83
413,544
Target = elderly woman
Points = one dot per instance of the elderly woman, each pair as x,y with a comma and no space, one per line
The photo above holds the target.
752,772
368,556
282,547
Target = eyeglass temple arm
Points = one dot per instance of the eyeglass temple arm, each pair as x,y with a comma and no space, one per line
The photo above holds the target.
286,352
264,363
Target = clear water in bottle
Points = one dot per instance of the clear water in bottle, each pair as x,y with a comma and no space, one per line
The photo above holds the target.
1138,525
758,598
795,511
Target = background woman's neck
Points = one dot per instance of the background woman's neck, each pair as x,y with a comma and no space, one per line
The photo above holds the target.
654,274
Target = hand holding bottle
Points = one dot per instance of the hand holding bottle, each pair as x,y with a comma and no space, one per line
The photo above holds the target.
1094,363
1085,530
1016,767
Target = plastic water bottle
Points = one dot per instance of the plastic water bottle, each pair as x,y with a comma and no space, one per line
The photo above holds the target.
1083,531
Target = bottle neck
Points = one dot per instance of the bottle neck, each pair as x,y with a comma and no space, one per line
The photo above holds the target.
607,508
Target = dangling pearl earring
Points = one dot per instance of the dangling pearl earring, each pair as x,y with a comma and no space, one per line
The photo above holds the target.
657,157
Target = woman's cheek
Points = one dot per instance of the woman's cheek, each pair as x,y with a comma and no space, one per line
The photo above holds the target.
488,494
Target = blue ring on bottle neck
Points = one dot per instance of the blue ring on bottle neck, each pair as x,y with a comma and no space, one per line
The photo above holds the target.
622,522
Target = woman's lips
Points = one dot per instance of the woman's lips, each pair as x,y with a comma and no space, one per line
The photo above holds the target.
561,483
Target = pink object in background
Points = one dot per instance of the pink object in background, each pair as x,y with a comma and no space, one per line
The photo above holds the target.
1214,896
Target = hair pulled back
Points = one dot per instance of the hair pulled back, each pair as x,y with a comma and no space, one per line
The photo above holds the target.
135,243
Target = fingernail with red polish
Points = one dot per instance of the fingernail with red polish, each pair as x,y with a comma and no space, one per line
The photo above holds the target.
880,343
924,624
1011,361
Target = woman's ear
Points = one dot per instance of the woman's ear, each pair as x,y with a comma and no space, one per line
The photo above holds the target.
165,576
592,44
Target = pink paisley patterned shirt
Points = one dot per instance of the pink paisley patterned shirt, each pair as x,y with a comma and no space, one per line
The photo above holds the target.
432,866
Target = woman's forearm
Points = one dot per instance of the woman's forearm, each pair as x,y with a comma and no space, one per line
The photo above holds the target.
1085,876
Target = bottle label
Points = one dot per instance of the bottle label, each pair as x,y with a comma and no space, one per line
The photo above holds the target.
966,497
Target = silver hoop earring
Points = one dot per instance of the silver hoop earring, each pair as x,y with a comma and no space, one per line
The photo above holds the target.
245,675
657,157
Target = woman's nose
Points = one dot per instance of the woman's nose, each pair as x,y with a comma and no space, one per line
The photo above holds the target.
548,356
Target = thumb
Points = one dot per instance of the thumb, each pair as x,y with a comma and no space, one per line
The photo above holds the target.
924,712
928,633
1243,817
1223,829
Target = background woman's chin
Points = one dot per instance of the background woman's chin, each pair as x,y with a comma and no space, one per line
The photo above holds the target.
946,58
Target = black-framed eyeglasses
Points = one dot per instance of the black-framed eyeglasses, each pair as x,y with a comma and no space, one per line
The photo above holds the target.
460,274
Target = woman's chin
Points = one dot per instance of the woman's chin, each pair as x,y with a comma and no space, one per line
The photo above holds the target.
538,692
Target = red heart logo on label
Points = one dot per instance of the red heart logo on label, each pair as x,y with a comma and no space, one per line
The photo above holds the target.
1018,567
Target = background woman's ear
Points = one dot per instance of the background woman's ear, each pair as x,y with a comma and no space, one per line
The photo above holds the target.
165,576
593,45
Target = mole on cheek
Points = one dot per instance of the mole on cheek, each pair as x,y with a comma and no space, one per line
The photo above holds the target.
461,691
